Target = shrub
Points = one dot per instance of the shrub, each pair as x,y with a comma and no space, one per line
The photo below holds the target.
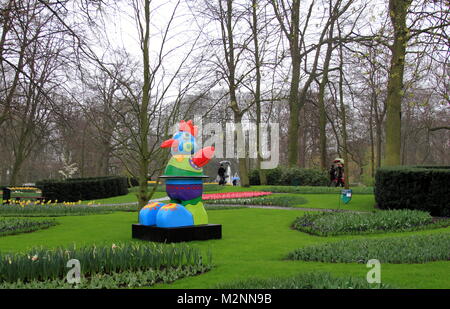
291,176
313,280
46,264
10,226
328,224
417,188
406,249
72,190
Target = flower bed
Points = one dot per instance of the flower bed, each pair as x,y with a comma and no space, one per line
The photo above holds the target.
42,264
280,200
11,226
57,210
396,250
330,224
232,195
316,280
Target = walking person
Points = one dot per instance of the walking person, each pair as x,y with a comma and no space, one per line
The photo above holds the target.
340,176
221,173
332,175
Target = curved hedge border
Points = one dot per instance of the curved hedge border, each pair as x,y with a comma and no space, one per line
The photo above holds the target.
409,187
78,189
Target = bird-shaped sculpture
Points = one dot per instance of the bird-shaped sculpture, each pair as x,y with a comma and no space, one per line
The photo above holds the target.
184,182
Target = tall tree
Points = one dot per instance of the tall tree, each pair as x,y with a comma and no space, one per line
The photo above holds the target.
398,10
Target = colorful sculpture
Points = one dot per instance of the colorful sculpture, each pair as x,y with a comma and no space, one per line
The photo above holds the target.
184,182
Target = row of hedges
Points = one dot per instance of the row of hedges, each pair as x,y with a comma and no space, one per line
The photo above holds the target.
77,189
291,176
410,187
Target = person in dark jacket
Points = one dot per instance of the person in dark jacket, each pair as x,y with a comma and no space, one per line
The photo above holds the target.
332,175
221,173
340,176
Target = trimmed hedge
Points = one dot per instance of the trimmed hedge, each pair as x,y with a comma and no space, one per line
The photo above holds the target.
409,187
76,189
291,176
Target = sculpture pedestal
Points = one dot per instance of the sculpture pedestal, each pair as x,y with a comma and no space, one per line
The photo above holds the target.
177,234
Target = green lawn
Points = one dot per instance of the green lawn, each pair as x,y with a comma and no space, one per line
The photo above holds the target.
254,244
359,202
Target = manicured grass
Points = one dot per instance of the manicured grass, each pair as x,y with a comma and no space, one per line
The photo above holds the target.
359,202
254,245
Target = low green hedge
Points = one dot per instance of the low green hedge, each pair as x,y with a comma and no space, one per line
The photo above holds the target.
419,188
47,264
396,250
313,280
344,223
291,176
12,226
79,189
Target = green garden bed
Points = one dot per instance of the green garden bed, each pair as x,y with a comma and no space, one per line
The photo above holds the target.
338,223
12,226
59,210
410,249
120,265
253,240
316,280
271,200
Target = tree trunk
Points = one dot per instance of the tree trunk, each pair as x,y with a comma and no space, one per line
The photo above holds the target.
397,10
143,114
294,107
262,174
322,111
372,144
